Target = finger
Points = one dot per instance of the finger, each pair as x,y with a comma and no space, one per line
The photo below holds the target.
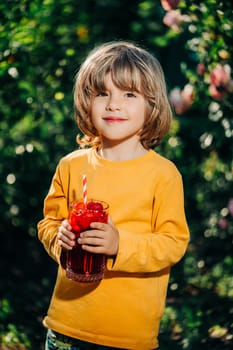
66,225
93,249
64,230
99,225
66,239
93,233
66,245
91,241
110,220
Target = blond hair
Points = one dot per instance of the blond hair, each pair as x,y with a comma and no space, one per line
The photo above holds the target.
132,69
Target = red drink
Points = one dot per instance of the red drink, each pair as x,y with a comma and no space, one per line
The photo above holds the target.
83,266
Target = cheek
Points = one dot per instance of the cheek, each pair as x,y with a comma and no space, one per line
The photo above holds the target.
93,112
95,119
96,109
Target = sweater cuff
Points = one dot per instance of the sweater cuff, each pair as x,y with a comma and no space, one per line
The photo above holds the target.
117,263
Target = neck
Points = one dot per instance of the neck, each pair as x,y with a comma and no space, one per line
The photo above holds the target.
120,152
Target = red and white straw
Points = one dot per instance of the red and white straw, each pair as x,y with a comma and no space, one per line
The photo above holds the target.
85,189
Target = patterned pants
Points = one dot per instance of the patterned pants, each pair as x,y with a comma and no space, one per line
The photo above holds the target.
55,341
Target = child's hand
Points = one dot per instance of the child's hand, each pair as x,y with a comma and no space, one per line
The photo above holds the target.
102,238
66,238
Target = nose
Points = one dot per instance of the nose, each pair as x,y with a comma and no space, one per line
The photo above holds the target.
113,103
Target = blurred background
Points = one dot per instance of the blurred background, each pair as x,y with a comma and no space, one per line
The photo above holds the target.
42,43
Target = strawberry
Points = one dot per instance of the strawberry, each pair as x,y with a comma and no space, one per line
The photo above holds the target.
96,206
77,206
74,223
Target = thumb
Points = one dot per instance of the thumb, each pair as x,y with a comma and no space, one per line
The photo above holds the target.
110,222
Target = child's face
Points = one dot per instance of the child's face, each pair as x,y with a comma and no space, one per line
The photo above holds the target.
117,114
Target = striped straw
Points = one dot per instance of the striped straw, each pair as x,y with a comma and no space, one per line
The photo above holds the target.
85,190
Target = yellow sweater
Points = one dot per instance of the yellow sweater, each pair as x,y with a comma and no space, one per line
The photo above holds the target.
146,204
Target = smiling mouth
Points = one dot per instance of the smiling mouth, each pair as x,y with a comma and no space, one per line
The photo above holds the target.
114,119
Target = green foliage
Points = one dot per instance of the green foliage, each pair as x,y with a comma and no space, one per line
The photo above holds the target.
10,334
204,134
42,43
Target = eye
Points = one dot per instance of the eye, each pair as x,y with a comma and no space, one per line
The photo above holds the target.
130,94
101,94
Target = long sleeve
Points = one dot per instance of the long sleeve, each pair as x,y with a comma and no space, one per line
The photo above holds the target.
167,243
55,210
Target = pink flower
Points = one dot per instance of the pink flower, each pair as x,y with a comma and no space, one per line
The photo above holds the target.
230,206
220,81
173,19
223,223
200,69
169,4
176,100
182,99
217,92
220,75
188,94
